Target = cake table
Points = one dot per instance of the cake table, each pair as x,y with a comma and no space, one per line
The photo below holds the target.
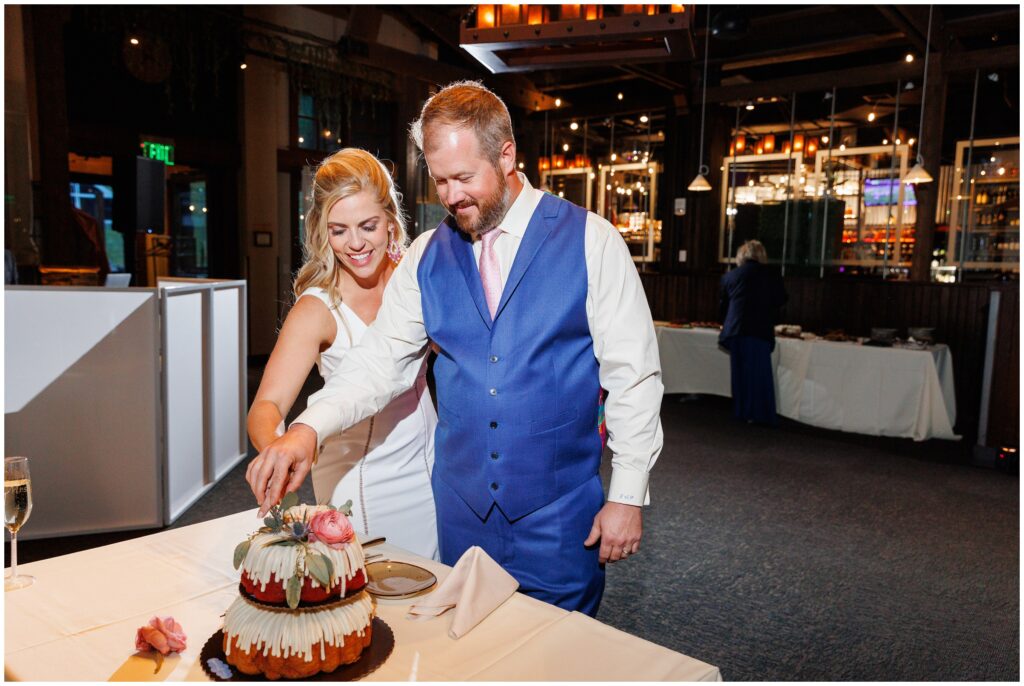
78,621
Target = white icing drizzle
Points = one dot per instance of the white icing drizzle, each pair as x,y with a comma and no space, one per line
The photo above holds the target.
262,561
283,634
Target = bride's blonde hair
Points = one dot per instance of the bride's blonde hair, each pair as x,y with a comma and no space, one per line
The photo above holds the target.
342,175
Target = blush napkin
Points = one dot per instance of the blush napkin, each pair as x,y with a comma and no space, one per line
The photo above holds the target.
475,588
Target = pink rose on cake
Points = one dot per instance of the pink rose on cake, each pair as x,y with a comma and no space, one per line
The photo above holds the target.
331,528
163,635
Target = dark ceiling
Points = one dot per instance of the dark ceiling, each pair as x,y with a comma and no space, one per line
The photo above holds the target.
781,43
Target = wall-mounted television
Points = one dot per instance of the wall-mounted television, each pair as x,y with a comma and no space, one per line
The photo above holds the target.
878,191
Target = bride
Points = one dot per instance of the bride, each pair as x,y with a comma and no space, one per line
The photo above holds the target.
355,234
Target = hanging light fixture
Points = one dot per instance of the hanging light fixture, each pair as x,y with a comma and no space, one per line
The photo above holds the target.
917,173
700,182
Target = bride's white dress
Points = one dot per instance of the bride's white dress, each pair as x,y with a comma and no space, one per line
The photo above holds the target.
382,464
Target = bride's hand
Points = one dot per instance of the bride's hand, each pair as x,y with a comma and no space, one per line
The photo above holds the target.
282,466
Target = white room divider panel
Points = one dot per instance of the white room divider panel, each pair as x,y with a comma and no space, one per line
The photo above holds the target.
131,402
184,397
228,410
82,401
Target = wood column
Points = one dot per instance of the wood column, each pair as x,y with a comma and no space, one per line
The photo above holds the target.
927,194
53,203
411,94
672,184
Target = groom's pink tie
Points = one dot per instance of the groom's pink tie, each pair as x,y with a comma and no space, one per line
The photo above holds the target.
490,274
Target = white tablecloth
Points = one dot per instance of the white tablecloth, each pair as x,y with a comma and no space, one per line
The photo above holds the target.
78,621
844,386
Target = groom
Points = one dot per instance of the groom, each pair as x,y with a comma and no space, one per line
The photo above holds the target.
535,305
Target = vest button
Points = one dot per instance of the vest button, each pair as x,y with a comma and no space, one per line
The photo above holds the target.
494,486
493,391
494,425
494,358
494,456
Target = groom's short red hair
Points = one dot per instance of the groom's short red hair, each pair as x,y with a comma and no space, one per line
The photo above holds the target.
467,104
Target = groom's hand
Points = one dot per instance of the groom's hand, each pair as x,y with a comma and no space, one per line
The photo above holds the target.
282,466
619,528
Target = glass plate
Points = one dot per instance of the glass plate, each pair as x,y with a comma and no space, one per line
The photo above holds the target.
390,579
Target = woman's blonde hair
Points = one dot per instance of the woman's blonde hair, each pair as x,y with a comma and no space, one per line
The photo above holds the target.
751,251
342,175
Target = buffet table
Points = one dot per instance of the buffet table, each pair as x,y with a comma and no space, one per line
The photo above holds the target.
78,621
844,386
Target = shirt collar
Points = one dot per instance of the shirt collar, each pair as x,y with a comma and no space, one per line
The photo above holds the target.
518,216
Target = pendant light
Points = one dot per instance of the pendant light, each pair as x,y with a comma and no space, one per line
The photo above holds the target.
917,173
700,183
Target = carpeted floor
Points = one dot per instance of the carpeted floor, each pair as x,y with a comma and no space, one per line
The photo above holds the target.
799,554
796,553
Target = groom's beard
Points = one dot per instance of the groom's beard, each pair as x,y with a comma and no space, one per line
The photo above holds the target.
491,209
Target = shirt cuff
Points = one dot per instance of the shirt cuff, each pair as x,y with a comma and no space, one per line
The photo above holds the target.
319,419
629,487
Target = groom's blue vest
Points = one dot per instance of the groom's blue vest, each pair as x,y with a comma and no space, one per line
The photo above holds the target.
517,397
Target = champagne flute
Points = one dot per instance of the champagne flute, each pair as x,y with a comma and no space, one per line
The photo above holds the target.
17,508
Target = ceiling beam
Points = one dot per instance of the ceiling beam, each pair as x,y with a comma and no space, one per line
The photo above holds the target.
567,86
983,23
654,78
364,23
896,18
442,27
813,51
994,58
842,78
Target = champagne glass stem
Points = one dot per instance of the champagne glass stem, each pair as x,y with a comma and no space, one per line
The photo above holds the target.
14,555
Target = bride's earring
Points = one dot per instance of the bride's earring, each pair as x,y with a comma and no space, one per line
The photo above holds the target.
394,249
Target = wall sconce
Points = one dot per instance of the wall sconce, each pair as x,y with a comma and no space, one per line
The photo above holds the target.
740,143
812,146
536,14
798,142
785,148
769,143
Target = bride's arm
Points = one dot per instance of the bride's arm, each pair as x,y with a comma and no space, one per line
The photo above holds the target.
308,327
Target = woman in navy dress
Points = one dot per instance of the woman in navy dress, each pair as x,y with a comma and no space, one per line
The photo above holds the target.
750,298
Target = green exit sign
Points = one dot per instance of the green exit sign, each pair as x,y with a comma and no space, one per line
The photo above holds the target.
158,151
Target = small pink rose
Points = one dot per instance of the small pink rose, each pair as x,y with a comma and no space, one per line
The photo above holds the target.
331,527
163,635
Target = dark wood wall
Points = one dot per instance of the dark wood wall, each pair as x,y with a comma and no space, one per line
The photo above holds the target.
959,313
